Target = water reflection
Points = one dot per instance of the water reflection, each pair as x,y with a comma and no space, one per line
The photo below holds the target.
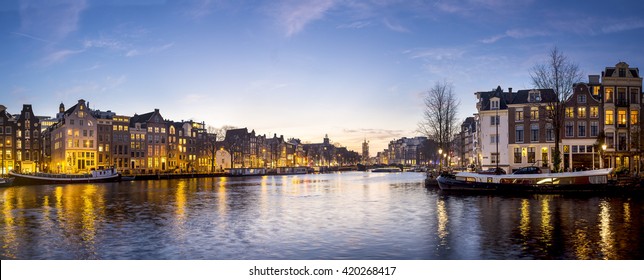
605,232
328,216
442,231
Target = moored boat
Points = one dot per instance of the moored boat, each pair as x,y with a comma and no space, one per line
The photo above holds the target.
94,176
386,169
581,181
6,182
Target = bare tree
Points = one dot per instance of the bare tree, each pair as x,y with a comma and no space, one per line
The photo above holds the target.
559,74
221,131
439,117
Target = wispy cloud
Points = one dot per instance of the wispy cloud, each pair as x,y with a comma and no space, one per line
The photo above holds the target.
373,134
50,20
395,26
83,89
516,34
59,56
437,54
623,25
199,9
146,51
32,37
355,25
294,16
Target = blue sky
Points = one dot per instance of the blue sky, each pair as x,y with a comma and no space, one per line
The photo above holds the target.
349,69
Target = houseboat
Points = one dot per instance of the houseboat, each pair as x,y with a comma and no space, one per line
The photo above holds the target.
94,176
581,181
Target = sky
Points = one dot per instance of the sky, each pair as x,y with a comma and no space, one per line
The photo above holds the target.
352,70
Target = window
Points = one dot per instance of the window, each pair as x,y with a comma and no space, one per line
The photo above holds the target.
608,93
531,155
581,112
622,142
610,139
71,122
517,155
635,92
544,157
493,138
621,96
534,132
494,157
581,129
519,133
570,112
581,98
534,113
518,115
634,117
594,129
550,133
622,72
621,117
610,117
570,129
534,96
594,112
494,104
495,120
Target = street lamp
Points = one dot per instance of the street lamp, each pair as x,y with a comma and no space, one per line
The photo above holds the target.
440,162
601,163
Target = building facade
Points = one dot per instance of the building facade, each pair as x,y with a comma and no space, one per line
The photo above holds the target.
622,107
492,109
531,138
582,126
74,141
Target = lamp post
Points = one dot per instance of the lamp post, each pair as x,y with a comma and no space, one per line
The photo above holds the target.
440,162
601,163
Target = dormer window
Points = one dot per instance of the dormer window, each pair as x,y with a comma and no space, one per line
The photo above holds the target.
622,72
494,104
534,96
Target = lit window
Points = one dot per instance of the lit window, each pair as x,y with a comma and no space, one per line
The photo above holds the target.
518,115
621,117
570,112
534,113
634,117
581,112
610,117
594,112
608,92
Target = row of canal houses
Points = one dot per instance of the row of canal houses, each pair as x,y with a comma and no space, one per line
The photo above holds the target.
511,128
80,139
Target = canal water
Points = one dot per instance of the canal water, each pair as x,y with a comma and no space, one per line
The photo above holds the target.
354,215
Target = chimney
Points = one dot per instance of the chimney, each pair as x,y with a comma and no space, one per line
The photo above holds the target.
509,94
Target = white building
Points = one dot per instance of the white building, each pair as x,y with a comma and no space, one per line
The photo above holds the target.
493,134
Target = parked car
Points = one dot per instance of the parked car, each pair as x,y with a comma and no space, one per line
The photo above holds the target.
528,170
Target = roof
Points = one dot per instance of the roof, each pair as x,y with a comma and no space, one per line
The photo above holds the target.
485,97
522,96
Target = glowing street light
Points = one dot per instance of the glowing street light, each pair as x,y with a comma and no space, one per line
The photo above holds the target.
601,163
440,162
